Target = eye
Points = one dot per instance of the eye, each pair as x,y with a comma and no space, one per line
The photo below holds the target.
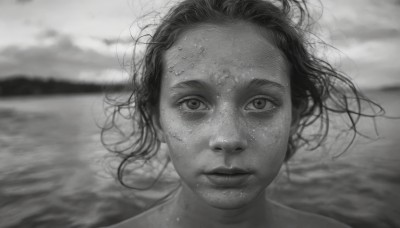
260,104
193,104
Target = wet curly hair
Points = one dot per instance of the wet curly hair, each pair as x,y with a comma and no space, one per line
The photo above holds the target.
317,88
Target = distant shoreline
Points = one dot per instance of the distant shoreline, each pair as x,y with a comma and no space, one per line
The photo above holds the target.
24,86
20,85
390,88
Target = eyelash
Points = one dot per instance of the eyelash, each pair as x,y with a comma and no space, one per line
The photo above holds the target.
185,101
268,102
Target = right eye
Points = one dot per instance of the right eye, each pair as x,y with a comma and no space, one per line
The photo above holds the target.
193,104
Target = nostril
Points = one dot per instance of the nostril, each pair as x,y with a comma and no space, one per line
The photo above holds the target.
229,144
227,148
239,149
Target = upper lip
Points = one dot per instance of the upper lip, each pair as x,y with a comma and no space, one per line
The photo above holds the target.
228,171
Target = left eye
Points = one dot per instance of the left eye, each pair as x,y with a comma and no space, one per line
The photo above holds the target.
260,104
193,104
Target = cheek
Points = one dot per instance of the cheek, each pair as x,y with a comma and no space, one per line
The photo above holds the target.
179,136
271,139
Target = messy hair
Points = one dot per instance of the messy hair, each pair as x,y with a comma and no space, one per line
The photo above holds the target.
317,88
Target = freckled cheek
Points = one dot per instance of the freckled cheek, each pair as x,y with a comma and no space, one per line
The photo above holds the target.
271,138
185,148
181,137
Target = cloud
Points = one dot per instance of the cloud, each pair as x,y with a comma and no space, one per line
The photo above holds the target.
364,33
362,19
23,1
367,34
48,33
61,59
115,41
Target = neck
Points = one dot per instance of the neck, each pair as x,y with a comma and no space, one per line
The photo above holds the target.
189,211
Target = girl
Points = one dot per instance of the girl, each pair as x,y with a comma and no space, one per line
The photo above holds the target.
229,87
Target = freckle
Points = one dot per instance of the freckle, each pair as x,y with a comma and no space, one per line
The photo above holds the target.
179,72
179,48
202,49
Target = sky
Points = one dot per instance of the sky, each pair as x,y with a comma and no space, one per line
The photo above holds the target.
91,40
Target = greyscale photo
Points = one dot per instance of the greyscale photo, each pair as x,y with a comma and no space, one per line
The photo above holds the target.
199,114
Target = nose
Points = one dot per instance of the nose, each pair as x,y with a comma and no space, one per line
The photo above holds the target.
228,135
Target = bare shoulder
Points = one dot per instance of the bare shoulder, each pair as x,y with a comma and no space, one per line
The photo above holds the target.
289,216
150,218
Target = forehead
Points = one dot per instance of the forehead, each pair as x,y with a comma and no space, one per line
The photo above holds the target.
241,48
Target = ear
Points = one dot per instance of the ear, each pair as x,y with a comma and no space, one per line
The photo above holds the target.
157,126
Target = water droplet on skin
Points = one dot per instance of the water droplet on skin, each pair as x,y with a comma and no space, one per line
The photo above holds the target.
252,138
179,72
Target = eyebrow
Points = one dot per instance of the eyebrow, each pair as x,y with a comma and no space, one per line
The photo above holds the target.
190,84
257,82
254,83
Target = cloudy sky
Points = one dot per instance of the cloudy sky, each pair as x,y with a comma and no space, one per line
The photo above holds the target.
86,40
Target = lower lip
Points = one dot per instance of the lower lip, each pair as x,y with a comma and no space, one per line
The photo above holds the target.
228,180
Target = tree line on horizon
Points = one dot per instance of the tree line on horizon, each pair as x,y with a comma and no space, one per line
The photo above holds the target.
24,86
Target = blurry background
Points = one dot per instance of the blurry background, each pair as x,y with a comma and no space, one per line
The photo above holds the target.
57,56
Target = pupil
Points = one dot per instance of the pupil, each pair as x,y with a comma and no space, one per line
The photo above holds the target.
193,104
259,103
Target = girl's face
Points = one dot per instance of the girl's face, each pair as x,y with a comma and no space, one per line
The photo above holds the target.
225,112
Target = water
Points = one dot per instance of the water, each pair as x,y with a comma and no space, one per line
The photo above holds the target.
55,173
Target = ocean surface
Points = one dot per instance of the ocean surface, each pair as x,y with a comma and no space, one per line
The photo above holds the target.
54,171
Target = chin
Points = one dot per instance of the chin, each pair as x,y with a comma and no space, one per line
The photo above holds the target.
229,199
